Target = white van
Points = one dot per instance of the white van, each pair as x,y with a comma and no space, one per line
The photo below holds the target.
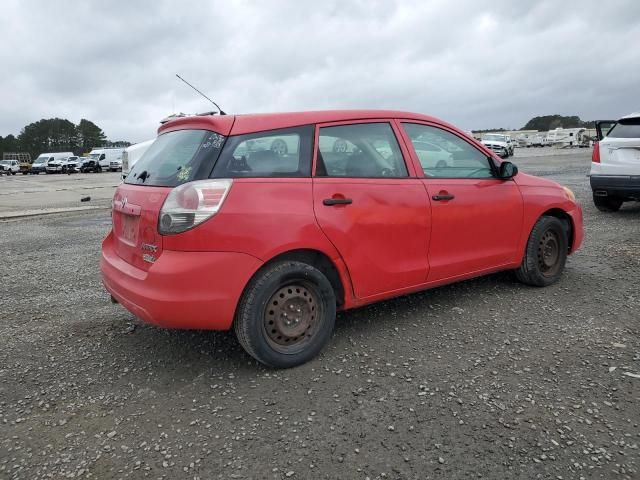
132,154
104,157
40,164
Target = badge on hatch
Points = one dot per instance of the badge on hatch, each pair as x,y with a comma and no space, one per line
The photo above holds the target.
147,247
148,258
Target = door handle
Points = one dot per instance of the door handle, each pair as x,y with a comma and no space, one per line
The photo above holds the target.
337,201
443,196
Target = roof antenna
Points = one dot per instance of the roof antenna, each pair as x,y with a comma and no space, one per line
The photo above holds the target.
216,105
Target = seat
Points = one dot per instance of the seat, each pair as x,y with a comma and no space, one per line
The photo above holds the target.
362,165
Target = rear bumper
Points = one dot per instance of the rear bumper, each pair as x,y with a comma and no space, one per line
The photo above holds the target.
616,185
186,290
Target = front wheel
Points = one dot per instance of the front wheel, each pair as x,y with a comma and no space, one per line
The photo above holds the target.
607,204
286,314
546,253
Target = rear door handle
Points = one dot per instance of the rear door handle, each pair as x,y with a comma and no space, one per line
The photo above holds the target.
443,196
337,201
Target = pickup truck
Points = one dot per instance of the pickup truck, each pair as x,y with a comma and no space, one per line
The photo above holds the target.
9,167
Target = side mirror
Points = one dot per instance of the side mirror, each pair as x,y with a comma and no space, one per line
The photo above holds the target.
507,170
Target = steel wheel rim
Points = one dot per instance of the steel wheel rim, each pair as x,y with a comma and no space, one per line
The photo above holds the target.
279,147
549,253
292,317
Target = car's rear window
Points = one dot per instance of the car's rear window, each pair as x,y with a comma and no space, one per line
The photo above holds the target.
274,153
625,128
177,157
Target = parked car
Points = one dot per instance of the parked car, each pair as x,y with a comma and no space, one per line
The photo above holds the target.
41,164
209,234
9,167
88,164
500,144
132,154
615,163
71,164
115,165
55,165
104,156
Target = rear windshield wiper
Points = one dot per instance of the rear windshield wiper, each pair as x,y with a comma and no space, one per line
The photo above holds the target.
143,176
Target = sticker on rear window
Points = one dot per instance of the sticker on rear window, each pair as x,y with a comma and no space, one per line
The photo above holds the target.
214,141
184,173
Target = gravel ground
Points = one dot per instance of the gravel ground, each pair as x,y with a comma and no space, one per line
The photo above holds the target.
482,379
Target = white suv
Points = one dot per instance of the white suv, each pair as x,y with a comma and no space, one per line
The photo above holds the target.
615,163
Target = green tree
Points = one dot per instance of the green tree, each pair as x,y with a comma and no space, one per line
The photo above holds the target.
48,135
549,122
9,144
89,135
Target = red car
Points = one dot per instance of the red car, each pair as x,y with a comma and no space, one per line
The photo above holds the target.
269,223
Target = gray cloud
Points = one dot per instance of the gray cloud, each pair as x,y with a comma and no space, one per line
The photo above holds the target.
474,63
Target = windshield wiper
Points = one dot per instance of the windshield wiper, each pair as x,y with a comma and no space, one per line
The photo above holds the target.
143,176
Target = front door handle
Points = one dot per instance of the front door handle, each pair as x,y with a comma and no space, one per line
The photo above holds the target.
443,196
337,201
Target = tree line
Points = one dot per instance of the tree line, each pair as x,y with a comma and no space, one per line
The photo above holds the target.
551,122
545,123
57,135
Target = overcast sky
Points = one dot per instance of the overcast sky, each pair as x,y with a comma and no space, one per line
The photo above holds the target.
476,64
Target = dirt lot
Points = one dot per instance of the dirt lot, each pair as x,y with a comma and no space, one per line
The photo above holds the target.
33,194
483,379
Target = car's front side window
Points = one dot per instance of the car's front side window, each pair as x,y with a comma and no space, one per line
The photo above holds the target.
366,150
445,155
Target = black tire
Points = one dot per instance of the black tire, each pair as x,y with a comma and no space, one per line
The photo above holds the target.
607,204
545,254
262,326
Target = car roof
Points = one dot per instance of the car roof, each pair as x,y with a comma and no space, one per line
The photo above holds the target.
631,115
256,122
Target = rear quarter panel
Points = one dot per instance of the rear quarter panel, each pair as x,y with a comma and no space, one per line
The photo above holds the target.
260,217
264,218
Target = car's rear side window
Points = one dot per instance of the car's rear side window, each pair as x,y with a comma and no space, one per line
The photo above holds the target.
177,157
625,128
274,153
365,150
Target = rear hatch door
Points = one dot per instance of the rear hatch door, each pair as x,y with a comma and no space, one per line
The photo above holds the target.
174,158
135,212
620,148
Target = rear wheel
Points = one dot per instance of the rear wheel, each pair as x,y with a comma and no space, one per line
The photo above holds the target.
286,314
607,204
546,253
279,147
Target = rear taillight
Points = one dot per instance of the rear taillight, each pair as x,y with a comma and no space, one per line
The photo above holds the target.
595,155
191,204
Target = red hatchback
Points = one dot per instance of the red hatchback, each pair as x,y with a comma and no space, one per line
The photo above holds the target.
269,223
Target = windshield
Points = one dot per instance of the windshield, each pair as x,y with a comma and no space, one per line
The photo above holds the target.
94,156
177,157
4,162
495,138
